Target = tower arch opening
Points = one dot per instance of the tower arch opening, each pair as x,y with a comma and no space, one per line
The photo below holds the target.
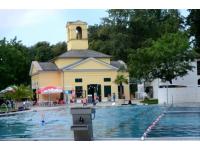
78,33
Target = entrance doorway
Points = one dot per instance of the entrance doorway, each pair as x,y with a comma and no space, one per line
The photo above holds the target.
94,89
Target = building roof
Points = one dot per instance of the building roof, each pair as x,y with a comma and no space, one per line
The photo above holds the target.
119,64
76,22
83,54
48,66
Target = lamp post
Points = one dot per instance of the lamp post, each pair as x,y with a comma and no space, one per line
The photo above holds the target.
167,93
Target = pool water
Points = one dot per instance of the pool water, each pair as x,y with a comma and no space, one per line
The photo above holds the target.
178,122
109,122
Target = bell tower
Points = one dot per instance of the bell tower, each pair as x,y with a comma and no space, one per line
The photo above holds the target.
77,35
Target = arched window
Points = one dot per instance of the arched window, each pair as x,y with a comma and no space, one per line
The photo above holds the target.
78,33
199,82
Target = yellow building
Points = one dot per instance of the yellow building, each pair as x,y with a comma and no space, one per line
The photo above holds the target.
87,72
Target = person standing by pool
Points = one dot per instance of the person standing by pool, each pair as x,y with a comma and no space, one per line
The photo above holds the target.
12,104
84,101
114,97
8,103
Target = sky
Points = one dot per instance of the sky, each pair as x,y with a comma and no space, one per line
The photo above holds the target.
32,26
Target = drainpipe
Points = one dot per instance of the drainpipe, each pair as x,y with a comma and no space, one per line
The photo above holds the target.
64,96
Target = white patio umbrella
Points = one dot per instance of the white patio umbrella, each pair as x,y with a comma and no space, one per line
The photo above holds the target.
8,89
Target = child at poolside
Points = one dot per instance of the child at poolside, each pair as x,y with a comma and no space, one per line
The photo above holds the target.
84,101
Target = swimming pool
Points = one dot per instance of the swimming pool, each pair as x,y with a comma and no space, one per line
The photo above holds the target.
178,122
110,122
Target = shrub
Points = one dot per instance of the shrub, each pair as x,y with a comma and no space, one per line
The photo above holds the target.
3,108
150,101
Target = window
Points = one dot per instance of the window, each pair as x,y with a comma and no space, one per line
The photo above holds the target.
199,82
78,80
78,33
107,90
107,79
198,67
79,91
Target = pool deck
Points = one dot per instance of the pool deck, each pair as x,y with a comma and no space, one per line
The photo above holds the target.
101,104
109,139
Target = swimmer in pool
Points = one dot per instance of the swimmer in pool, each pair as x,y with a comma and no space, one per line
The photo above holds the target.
42,118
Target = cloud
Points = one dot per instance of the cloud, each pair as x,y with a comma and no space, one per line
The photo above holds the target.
23,18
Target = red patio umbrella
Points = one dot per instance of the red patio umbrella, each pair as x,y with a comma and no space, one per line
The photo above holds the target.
49,90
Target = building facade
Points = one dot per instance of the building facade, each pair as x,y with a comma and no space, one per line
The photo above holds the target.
87,72
184,89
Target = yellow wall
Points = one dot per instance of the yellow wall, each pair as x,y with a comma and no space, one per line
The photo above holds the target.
94,78
77,44
65,62
71,30
56,79
91,64
49,78
90,78
72,42
106,60
34,70
35,81
43,79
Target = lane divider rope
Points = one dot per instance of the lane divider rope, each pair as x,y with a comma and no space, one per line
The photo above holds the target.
148,130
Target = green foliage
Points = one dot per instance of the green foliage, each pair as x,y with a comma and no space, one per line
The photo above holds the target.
166,58
14,63
150,101
3,108
59,48
193,20
42,51
120,79
21,92
15,59
124,31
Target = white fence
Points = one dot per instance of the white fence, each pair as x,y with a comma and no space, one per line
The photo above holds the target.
178,95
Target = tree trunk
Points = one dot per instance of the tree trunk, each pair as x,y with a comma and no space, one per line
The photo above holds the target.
121,86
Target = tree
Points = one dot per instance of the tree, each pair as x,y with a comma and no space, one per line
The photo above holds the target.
14,63
20,92
167,58
59,48
120,79
16,58
193,20
124,31
42,51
